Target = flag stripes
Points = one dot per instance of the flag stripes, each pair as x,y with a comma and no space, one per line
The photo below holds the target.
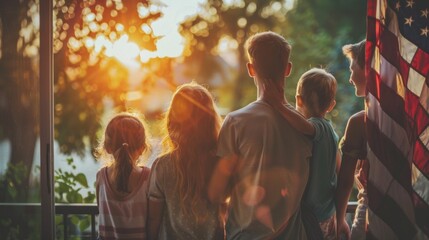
397,70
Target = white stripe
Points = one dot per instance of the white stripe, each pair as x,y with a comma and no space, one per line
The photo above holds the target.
406,48
424,97
379,228
388,73
415,82
387,125
424,136
385,183
420,235
381,10
420,184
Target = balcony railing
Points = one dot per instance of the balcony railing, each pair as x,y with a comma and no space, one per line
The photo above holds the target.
91,210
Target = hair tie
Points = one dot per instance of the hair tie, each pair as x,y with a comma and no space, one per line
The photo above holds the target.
124,144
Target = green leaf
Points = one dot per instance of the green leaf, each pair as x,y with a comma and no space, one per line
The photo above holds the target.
58,220
81,178
90,198
74,219
84,224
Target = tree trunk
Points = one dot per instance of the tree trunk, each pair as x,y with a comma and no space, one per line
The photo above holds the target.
241,81
20,90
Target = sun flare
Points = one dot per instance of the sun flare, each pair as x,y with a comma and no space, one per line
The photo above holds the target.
123,50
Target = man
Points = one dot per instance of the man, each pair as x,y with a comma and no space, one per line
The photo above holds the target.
264,163
354,155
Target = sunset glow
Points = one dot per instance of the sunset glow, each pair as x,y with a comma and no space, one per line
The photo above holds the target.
118,45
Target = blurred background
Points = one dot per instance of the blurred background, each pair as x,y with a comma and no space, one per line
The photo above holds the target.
112,56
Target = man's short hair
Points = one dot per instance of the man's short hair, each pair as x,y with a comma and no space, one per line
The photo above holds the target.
317,89
269,53
356,52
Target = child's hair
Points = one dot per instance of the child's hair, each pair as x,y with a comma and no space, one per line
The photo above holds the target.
356,52
317,90
125,139
193,126
269,53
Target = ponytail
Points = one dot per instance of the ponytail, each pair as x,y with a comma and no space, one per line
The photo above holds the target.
123,168
124,139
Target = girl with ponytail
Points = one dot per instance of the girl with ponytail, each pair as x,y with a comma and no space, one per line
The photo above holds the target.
121,184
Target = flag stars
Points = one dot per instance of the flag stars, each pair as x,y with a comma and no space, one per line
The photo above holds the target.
424,31
409,21
410,3
398,6
425,13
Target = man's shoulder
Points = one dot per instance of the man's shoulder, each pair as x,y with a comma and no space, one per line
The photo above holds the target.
253,109
359,116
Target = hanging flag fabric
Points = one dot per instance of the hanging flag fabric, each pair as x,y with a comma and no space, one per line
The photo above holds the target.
397,70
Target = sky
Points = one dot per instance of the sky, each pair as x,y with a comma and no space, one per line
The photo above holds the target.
174,12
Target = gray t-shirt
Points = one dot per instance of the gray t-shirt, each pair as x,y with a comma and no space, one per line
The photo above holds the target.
176,225
270,176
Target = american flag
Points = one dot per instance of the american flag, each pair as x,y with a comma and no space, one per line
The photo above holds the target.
397,69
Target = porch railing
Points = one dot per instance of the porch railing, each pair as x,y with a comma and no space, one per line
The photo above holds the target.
67,210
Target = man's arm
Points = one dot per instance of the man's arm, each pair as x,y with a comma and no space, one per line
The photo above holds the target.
344,188
274,96
351,146
296,119
218,185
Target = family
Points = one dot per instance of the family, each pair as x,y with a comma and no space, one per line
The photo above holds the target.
266,171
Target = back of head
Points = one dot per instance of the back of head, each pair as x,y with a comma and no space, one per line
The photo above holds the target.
124,138
193,126
356,52
269,53
317,89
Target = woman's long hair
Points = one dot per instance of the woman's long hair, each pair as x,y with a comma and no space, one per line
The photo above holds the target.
193,126
124,139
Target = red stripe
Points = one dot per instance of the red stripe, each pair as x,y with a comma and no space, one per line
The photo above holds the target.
420,62
422,213
418,115
420,158
391,103
390,212
371,8
412,103
389,155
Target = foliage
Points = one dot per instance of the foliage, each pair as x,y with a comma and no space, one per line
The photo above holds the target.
85,71
69,185
317,31
234,22
68,188
316,37
18,222
13,178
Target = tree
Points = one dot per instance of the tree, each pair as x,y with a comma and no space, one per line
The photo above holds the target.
85,74
237,21
317,31
19,83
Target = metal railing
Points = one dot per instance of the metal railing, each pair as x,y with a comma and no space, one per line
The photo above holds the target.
66,210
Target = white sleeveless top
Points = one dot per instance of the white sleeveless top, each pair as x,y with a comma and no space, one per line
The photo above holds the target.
122,217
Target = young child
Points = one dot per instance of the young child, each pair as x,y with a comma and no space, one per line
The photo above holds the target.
178,203
354,164
121,185
315,96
